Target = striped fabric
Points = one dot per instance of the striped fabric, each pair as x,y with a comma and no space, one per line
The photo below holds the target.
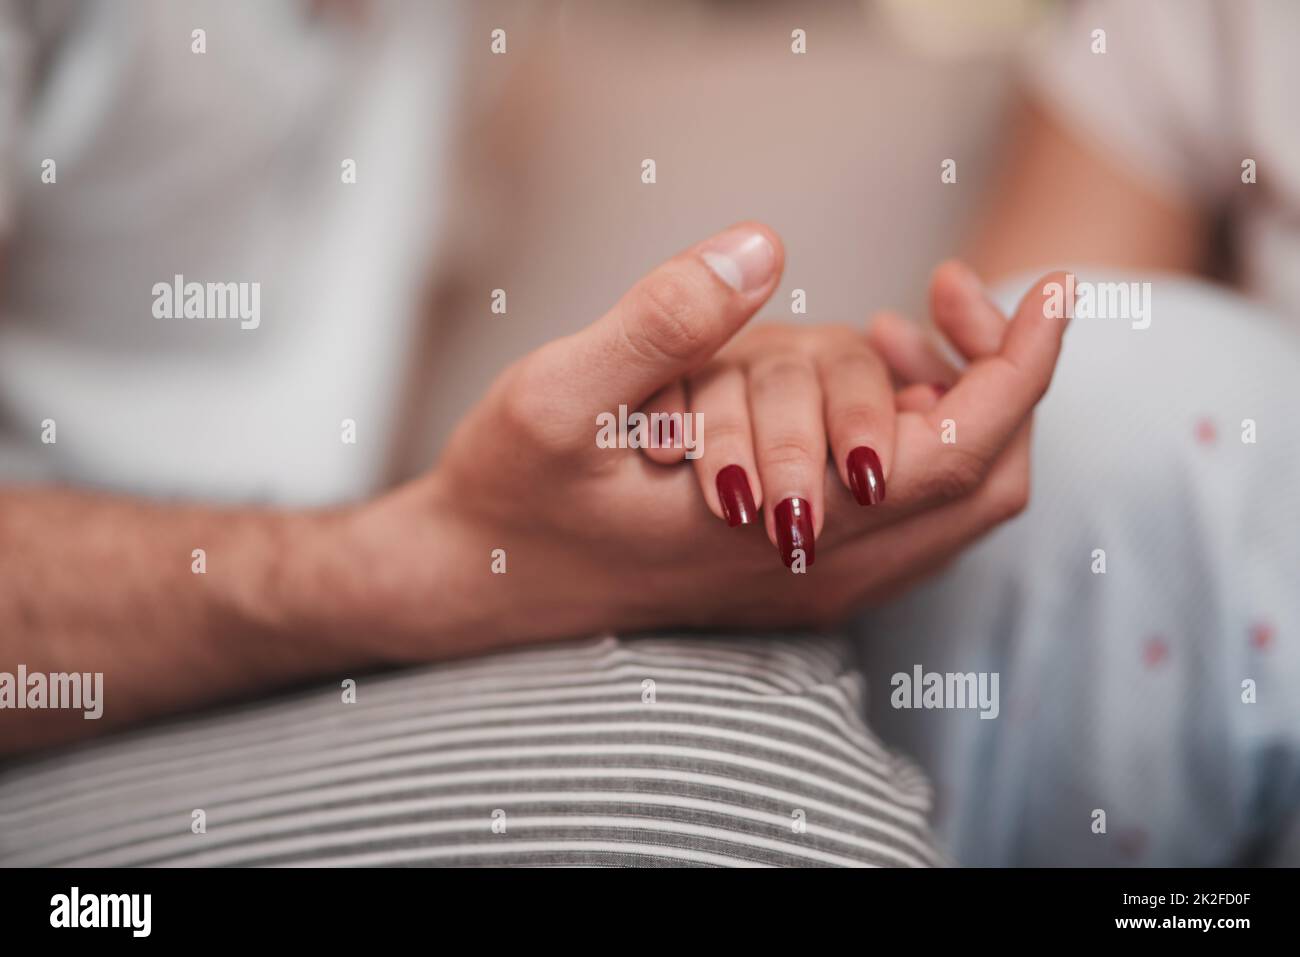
649,751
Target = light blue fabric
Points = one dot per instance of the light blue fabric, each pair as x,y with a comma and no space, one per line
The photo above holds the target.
1123,691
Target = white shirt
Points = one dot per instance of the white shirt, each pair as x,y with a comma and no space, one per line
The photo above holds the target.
220,166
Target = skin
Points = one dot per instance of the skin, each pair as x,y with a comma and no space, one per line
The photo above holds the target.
774,401
595,538
1058,200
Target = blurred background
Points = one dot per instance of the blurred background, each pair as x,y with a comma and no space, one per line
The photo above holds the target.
500,145
838,149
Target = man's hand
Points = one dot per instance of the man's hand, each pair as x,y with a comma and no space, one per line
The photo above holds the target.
589,538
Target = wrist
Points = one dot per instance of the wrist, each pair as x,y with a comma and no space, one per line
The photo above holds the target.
385,580
291,587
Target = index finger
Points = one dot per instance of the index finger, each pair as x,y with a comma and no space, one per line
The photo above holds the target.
946,451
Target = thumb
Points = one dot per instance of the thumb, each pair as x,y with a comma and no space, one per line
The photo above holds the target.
669,324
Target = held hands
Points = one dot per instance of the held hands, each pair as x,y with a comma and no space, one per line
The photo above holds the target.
778,397
526,529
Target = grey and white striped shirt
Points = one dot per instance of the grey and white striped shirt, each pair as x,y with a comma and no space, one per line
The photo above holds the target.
669,750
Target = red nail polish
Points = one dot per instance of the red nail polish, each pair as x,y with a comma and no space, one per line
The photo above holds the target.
866,477
736,497
794,529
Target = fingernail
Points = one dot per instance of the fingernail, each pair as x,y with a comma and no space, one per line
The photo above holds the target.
939,389
866,477
742,258
734,493
794,530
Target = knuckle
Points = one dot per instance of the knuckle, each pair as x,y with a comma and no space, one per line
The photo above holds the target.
1029,382
856,418
791,449
853,366
666,325
785,373
520,400
527,407
1008,496
959,475
727,433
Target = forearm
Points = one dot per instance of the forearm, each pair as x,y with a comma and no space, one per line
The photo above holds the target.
176,605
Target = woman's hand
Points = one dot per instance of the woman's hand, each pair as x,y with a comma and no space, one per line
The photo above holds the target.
771,403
